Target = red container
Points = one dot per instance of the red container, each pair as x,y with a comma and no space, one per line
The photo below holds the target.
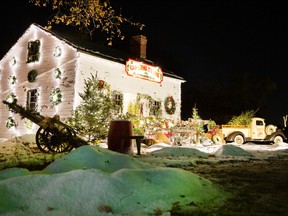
119,131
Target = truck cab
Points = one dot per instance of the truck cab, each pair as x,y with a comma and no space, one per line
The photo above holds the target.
257,129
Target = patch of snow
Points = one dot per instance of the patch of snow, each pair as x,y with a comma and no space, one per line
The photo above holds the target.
95,181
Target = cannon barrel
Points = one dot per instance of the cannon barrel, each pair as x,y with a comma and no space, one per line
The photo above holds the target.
32,116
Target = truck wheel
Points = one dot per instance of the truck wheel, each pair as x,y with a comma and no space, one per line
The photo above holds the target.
238,139
278,139
217,139
270,129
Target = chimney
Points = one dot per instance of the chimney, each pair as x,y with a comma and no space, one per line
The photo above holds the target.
138,44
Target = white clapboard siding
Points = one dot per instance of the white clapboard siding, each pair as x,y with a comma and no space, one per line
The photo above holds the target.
76,64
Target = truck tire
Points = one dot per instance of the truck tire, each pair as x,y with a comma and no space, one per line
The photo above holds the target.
270,129
278,139
217,139
239,139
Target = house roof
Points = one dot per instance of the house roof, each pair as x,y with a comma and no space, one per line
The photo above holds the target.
101,50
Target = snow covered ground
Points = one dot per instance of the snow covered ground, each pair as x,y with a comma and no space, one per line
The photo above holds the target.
92,180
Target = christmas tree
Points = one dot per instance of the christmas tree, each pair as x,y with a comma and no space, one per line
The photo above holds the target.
91,118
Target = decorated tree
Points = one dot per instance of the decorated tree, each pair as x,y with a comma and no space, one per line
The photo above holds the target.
91,118
87,16
195,114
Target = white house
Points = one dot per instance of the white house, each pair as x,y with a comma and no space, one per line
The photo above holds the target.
45,71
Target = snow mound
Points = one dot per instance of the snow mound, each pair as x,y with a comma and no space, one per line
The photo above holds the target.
231,150
179,151
93,181
94,157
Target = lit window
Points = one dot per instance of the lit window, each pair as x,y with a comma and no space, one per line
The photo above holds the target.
31,101
33,51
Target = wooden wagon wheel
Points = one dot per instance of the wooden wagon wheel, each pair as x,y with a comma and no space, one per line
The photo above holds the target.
54,140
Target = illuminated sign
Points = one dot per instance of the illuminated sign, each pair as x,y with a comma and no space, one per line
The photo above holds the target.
144,71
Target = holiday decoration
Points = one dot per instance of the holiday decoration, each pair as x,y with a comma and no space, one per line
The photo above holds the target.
144,71
12,61
101,84
11,98
170,105
57,51
57,73
91,118
10,123
32,76
12,80
56,96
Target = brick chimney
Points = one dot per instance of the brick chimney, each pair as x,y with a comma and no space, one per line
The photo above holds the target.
138,44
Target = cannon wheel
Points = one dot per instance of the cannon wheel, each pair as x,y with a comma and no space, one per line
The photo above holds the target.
54,141
42,140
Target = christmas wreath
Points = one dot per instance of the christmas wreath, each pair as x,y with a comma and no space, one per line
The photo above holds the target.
170,105
12,80
32,76
10,123
56,97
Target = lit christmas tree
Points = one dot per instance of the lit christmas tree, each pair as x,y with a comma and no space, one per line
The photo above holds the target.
91,118
195,114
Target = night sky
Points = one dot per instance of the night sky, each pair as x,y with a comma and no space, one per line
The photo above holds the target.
232,54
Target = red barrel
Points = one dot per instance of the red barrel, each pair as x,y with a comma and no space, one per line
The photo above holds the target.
118,136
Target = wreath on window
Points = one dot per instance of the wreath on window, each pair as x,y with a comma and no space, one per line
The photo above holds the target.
56,97
32,76
170,105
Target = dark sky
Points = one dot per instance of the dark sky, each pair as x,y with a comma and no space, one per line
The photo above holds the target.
232,54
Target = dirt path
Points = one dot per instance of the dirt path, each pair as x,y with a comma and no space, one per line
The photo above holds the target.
258,187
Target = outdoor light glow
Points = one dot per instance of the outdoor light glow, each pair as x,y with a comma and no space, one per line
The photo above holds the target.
56,109
144,71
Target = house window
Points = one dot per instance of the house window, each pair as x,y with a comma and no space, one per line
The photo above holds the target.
155,109
33,51
117,98
31,101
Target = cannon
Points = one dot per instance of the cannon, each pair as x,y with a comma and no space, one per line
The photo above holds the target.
53,136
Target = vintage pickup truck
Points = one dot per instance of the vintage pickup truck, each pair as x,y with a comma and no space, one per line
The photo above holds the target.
256,131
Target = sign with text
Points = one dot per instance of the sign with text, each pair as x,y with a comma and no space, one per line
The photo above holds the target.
144,71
